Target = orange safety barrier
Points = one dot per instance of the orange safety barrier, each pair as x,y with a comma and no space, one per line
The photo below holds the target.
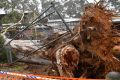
18,76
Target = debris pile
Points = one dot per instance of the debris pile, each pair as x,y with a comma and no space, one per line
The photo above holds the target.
88,52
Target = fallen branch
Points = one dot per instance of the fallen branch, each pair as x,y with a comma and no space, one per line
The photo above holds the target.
4,31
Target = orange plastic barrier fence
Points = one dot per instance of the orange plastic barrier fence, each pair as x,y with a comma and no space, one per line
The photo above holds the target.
17,76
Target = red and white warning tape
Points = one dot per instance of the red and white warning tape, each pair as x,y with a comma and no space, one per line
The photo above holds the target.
34,77
30,76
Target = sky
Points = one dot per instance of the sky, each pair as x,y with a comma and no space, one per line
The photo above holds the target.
2,11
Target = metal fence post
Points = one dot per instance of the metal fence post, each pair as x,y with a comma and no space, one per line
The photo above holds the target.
9,54
53,5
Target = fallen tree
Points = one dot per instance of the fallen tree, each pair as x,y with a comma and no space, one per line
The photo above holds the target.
89,51
94,42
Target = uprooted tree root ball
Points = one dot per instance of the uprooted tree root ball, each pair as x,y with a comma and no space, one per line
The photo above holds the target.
93,40
96,34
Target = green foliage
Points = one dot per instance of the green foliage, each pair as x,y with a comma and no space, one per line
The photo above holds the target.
24,5
4,4
3,56
3,51
12,17
1,41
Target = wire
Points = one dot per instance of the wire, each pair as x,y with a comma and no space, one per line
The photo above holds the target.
27,27
45,17
31,40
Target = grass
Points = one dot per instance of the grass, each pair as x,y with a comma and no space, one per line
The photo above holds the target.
15,68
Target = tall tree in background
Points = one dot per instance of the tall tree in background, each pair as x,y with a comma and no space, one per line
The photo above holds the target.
18,5
4,4
115,3
14,9
33,6
67,8
47,3
70,8
14,4
74,8
10,5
